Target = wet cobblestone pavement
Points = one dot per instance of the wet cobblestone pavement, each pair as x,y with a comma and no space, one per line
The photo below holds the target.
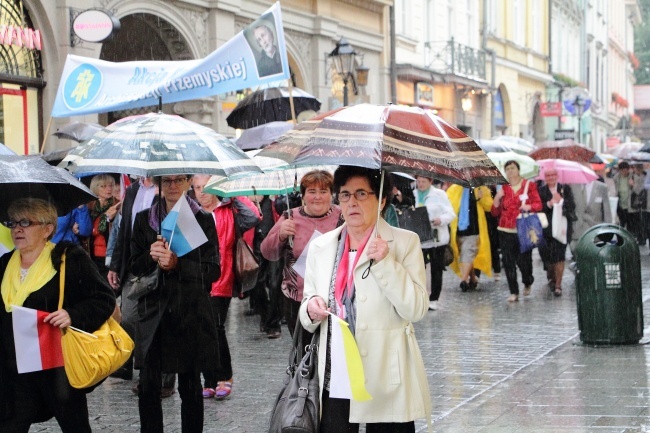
493,367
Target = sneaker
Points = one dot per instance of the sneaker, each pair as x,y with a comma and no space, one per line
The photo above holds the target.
497,276
209,392
513,298
527,290
433,305
223,390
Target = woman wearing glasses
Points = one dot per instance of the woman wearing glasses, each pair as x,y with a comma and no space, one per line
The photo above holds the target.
377,284
316,216
175,330
102,212
30,279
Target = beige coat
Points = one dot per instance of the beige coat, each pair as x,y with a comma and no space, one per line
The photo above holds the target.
388,301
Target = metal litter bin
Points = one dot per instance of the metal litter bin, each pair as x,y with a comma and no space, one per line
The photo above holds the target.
608,286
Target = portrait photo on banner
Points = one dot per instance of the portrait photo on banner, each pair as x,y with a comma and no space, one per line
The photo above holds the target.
263,40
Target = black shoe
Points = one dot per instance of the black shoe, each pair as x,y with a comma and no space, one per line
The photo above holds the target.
166,392
272,335
473,284
122,373
464,286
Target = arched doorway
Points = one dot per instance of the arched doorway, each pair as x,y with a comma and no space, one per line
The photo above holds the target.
143,36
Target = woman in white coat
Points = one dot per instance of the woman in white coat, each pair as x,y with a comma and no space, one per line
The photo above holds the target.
378,285
441,213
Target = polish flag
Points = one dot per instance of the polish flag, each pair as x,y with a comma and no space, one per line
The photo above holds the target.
38,344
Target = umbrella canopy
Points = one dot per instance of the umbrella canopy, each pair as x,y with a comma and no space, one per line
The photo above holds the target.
493,146
528,167
567,171
270,105
157,144
78,131
262,135
396,138
515,144
639,156
31,176
270,183
645,148
563,149
623,150
4,150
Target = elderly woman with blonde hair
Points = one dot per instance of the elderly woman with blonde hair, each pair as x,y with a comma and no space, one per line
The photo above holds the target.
30,279
102,213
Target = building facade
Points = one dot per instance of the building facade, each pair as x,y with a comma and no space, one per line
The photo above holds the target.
439,61
516,35
179,30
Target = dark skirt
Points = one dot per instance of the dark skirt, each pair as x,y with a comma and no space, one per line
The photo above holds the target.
553,252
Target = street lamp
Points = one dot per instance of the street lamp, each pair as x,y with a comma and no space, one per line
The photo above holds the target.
343,58
579,104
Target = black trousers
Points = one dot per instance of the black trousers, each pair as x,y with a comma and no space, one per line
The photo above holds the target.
336,414
435,257
223,370
40,395
150,404
512,259
291,309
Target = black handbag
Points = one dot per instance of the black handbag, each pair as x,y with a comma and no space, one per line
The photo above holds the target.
416,219
144,284
297,407
639,201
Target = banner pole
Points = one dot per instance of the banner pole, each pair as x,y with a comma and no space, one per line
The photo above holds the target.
293,109
47,131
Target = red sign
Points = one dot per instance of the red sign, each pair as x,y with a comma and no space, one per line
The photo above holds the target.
551,109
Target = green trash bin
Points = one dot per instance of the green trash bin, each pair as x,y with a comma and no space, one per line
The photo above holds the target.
608,286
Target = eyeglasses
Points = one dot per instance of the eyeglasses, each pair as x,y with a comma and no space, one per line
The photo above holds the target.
178,181
360,195
23,223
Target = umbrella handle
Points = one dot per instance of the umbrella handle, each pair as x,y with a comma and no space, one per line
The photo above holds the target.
381,191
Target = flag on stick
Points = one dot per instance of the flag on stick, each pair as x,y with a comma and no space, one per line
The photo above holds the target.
38,344
347,379
182,230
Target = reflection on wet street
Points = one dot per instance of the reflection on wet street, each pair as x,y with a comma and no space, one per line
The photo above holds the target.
493,367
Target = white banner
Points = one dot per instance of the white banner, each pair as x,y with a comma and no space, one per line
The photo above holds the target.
256,55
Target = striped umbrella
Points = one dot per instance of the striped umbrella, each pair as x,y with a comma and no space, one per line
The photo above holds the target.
157,144
395,138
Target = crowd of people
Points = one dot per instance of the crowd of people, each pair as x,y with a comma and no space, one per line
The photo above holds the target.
337,249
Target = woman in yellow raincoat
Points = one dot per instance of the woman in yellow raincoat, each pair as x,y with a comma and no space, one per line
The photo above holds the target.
471,242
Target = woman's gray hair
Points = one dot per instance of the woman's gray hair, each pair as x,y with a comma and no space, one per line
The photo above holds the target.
34,209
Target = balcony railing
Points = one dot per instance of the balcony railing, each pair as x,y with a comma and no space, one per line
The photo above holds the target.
453,58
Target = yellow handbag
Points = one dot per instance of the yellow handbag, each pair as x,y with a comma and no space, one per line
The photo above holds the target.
90,358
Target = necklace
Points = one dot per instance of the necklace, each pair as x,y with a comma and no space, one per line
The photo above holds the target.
352,250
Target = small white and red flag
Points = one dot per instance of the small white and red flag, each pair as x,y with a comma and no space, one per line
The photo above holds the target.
38,344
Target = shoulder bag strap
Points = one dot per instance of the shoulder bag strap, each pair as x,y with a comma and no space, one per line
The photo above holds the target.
61,280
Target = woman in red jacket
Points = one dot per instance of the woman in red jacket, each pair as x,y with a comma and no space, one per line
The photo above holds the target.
509,202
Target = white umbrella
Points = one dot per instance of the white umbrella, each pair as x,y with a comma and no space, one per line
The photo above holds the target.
516,144
528,167
262,135
624,150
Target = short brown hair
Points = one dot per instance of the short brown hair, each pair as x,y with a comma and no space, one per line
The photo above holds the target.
320,178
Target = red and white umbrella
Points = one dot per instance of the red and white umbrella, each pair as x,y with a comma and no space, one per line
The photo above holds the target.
392,137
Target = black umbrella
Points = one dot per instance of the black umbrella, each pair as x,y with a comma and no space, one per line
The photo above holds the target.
78,131
31,176
645,148
270,105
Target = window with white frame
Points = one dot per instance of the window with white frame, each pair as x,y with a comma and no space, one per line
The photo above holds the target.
519,24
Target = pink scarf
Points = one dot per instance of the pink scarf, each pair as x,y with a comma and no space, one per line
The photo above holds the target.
344,278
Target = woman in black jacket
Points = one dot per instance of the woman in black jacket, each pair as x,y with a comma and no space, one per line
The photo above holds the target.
175,329
30,278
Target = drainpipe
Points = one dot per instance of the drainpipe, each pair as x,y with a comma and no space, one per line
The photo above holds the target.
493,68
393,66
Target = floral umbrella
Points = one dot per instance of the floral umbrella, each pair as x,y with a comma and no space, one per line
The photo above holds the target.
562,149
392,137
